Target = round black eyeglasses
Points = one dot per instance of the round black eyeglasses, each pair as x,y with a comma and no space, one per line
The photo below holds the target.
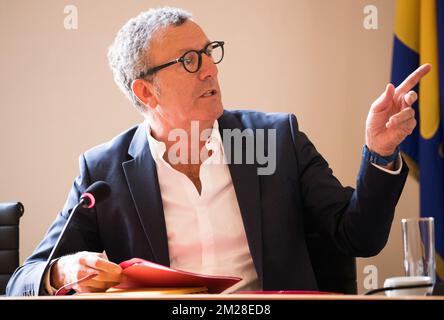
192,60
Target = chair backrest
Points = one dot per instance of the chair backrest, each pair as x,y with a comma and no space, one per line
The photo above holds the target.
10,214
334,271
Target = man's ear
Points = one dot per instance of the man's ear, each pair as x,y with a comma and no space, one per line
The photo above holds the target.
145,92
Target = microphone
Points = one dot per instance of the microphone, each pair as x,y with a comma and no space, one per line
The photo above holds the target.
94,194
97,192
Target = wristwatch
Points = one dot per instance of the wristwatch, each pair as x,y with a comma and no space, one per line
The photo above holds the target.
375,158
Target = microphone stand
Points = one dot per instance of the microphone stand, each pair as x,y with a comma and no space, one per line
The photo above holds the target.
59,240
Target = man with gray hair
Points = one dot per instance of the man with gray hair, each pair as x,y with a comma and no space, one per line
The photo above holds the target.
175,203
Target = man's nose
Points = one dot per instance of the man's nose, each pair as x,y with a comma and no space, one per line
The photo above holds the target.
208,68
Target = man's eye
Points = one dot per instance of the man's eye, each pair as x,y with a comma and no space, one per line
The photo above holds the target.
189,60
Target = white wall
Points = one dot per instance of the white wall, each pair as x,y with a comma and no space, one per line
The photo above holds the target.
311,58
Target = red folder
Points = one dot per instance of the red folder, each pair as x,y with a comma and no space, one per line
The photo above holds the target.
144,274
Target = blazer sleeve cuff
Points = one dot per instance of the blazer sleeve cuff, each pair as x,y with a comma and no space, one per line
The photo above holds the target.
50,290
398,165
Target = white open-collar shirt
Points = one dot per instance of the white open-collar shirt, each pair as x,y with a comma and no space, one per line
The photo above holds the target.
205,231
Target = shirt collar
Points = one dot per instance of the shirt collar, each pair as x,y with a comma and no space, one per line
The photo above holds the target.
158,148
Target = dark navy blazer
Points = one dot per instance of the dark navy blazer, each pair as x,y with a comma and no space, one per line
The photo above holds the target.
276,209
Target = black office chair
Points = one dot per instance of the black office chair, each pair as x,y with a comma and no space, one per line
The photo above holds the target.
10,214
334,271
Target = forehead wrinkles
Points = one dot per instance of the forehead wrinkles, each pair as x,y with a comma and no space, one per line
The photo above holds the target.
169,42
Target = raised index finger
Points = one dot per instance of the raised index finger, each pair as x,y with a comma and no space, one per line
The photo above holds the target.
413,79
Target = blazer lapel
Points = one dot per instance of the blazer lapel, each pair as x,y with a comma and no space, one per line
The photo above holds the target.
141,176
246,184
